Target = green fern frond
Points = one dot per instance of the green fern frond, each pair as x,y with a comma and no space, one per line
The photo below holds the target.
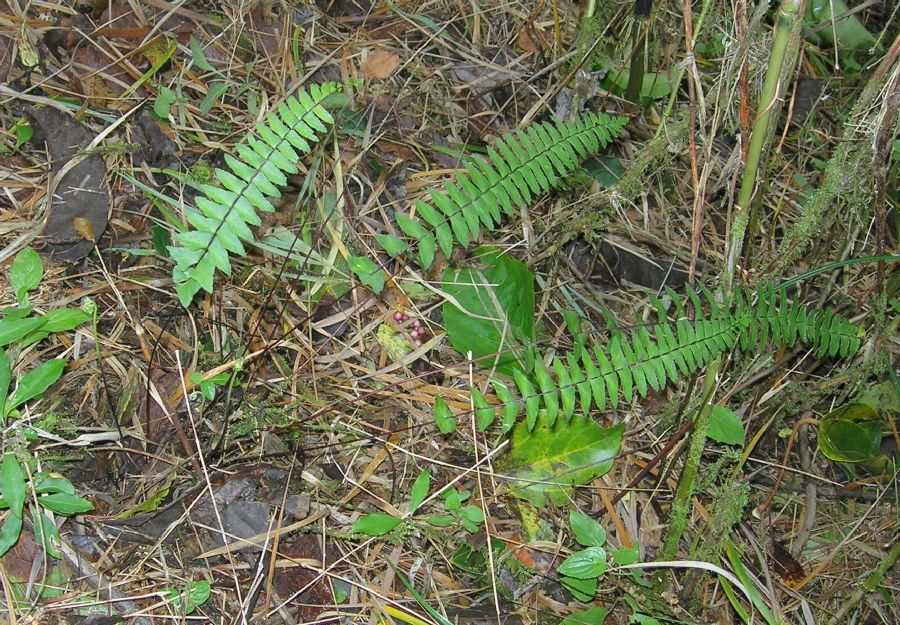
519,168
224,215
635,364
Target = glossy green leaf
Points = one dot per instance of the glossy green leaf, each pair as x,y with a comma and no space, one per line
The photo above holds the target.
377,524
582,589
592,616
5,378
12,484
549,460
191,597
725,426
587,531
590,562
12,329
510,405
35,382
368,272
498,313
66,504
45,533
9,532
484,412
851,433
419,491
443,416
25,274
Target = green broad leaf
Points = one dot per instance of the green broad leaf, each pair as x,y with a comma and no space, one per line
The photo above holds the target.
851,433
848,32
626,555
5,378
199,57
54,485
192,597
394,246
587,532
45,534
725,426
368,272
214,93
12,329
497,315
25,274
453,499
66,504
585,564
12,485
591,616
655,85
162,104
35,382
472,513
549,460
64,319
441,520
377,524
532,399
419,491
24,133
582,589
606,170
443,416
9,532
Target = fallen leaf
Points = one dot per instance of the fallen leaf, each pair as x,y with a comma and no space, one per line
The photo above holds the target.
381,64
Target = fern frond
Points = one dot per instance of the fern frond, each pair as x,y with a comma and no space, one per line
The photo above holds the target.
519,167
635,364
224,215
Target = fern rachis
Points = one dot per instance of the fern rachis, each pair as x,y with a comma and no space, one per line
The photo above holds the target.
224,215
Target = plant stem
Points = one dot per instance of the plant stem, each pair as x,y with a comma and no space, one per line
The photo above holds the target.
787,26
870,584
682,503
638,51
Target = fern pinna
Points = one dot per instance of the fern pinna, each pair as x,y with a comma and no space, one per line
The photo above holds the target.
586,378
225,214
519,167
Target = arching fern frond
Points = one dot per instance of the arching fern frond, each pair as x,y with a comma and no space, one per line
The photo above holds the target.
224,214
519,167
634,364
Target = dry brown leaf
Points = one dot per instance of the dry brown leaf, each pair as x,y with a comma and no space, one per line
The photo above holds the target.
381,64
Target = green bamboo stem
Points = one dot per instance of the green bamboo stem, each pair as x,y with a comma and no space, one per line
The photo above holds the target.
787,30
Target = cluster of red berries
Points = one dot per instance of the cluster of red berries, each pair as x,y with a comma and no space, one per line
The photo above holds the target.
416,328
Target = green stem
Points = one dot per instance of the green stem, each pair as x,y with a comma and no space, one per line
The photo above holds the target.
786,33
638,51
870,584
682,504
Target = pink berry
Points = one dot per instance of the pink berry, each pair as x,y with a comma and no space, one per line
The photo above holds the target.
420,331
398,316
404,318
415,323
417,343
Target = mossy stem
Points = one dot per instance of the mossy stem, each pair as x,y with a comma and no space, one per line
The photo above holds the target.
681,505
786,33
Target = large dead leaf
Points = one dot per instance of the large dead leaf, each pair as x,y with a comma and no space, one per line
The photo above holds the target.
79,207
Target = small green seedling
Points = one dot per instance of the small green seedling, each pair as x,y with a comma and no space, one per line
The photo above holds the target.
48,494
19,327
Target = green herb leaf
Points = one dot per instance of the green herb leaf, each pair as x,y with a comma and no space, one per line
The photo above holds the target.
585,564
12,484
377,524
25,274
368,272
725,426
586,530
66,504
592,616
419,491
443,416
35,382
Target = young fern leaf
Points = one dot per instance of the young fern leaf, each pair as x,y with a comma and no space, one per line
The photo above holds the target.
519,167
224,215
644,361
